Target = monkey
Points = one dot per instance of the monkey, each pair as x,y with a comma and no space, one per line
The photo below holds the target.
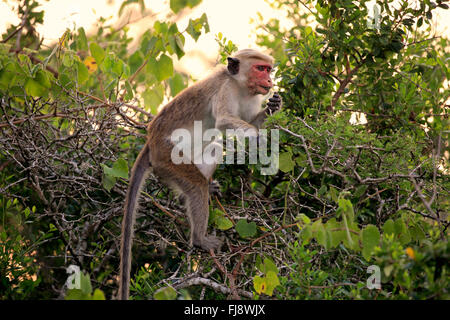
230,98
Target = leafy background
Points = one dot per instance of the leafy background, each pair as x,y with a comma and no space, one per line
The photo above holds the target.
363,176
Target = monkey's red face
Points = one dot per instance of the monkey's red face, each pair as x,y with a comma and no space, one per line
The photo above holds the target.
259,81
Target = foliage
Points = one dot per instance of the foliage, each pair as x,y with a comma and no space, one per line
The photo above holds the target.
18,279
371,185
362,179
85,290
70,116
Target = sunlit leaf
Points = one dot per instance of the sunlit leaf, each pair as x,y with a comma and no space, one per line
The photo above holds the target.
91,64
223,223
176,84
97,52
166,293
286,162
83,72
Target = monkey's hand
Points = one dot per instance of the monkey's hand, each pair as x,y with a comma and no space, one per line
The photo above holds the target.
274,104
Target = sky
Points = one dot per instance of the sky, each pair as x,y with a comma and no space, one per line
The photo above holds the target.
231,17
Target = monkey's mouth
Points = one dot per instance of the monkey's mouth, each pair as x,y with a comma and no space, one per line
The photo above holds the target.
265,88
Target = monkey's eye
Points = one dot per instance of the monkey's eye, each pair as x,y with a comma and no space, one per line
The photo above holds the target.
263,68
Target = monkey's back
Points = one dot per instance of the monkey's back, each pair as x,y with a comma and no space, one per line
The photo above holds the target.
188,106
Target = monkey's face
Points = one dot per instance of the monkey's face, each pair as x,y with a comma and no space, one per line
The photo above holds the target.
258,78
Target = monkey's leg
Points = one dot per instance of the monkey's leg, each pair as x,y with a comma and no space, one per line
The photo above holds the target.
194,187
198,211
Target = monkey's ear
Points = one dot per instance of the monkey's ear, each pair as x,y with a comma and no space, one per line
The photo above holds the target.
233,65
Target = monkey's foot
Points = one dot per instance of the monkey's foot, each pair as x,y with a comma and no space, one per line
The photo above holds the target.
214,188
208,243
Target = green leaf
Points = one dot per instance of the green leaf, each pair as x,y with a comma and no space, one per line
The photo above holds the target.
417,233
346,208
42,78
351,239
176,84
304,218
401,231
179,40
34,88
245,229
162,69
269,265
68,59
120,69
272,282
85,283
334,235
98,295
203,19
193,3
152,66
82,40
370,239
75,294
195,26
333,194
153,98
388,269
389,227
83,72
337,237
223,223
321,236
160,28
322,190
119,169
286,162
166,293
259,284
97,52
177,5
135,61
7,75
306,233
130,93
360,191
26,212
109,62
165,68
214,214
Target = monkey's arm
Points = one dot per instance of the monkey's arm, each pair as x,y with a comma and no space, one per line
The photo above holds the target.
228,121
260,118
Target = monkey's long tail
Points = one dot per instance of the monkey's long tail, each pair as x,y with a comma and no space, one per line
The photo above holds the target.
138,174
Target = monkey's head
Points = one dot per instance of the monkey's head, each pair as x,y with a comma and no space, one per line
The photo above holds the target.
252,69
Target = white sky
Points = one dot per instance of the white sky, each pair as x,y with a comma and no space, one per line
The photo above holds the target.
231,17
